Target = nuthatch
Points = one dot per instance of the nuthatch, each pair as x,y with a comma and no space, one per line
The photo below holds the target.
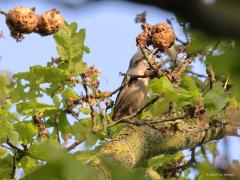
131,98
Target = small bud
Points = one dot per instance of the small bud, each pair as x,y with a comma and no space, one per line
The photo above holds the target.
72,79
70,101
91,72
68,136
92,102
103,95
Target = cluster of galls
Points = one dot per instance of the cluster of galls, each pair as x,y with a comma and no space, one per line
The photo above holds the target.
23,20
89,77
161,36
39,122
89,80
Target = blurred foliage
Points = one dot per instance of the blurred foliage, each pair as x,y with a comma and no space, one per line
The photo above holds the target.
72,89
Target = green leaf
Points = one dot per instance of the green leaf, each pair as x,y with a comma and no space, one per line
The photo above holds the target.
199,41
64,125
39,74
188,83
18,92
164,86
85,110
159,107
5,164
118,171
6,129
3,152
56,101
86,49
29,165
46,150
33,107
80,130
77,68
13,137
227,64
60,164
27,131
92,138
70,47
85,156
36,76
4,82
206,170
164,160
62,167
69,93
215,99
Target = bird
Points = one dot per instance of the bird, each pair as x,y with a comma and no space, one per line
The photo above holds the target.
131,97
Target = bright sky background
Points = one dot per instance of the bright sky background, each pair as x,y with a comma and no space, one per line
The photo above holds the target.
111,34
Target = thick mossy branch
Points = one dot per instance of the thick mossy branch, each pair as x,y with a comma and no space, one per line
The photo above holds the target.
135,144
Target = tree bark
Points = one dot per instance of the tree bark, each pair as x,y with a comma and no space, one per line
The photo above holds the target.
135,144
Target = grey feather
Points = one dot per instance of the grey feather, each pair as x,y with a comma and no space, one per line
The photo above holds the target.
131,98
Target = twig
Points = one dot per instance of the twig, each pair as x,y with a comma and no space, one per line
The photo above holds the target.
185,33
65,141
20,153
124,119
101,114
122,85
128,120
183,66
74,114
176,74
226,83
149,57
6,147
214,48
167,120
131,77
149,103
209,69
182,42
57,128
153,72
204,153
196,74
211,75
118,89
13,170
12,146
94,122
190,163
177,39
75,144
141,18
3,12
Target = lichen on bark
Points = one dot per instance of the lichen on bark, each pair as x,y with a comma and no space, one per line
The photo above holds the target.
135,144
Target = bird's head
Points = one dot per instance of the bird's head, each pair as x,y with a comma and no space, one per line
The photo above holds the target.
138,64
